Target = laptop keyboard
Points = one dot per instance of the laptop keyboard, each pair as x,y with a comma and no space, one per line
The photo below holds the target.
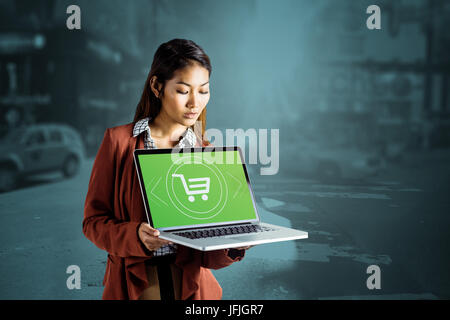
223,231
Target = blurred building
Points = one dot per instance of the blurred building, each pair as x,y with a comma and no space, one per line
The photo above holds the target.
415,104
51,74
386,89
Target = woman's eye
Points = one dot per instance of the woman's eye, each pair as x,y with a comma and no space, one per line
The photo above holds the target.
181,92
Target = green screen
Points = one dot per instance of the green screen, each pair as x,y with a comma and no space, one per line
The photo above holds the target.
196,188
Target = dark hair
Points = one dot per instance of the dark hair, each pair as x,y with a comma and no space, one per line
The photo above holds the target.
170,57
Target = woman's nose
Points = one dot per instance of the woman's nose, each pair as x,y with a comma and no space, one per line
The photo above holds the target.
193,102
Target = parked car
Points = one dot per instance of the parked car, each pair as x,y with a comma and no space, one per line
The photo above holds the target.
39,148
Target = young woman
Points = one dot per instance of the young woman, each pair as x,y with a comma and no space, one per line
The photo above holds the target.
171,113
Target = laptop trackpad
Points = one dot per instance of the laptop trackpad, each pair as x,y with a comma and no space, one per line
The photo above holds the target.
245,238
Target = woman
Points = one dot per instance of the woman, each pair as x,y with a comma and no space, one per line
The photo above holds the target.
171,113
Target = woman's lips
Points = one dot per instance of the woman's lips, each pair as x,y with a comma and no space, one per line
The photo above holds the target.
190,115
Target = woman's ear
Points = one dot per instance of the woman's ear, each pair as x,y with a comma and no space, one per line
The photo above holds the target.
155,86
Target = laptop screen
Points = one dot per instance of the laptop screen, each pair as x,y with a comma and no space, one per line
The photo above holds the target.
195,188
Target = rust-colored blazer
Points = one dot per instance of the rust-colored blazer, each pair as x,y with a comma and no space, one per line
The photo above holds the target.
114,210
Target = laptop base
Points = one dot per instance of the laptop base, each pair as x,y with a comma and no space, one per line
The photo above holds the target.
277,234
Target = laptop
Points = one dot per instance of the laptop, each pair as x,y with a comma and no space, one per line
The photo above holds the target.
202,198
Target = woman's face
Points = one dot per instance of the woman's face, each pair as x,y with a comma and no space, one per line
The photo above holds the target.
186,94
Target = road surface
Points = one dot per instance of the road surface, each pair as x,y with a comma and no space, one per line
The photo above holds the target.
398,220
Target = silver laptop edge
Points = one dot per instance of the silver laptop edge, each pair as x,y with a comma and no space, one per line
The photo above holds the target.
237,240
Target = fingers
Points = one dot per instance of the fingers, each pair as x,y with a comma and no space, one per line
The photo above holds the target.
154,243
145,227
150,237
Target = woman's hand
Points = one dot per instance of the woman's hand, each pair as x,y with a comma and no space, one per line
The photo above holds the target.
150,237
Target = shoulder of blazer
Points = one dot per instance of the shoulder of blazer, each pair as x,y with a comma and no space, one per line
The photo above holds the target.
119,138
124,130
122,134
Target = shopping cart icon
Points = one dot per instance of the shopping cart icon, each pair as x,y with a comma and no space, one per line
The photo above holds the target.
199,188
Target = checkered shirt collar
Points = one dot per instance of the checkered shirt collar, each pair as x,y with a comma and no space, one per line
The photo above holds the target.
188,139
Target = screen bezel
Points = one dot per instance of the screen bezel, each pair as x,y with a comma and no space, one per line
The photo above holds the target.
138,152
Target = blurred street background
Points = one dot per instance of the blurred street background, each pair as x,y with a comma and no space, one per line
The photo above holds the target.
363,117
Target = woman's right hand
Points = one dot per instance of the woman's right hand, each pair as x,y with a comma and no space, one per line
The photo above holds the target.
150,237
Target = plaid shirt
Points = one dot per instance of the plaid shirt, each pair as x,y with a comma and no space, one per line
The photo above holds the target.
188,140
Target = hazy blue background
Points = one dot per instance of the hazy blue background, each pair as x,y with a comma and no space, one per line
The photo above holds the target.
363,117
